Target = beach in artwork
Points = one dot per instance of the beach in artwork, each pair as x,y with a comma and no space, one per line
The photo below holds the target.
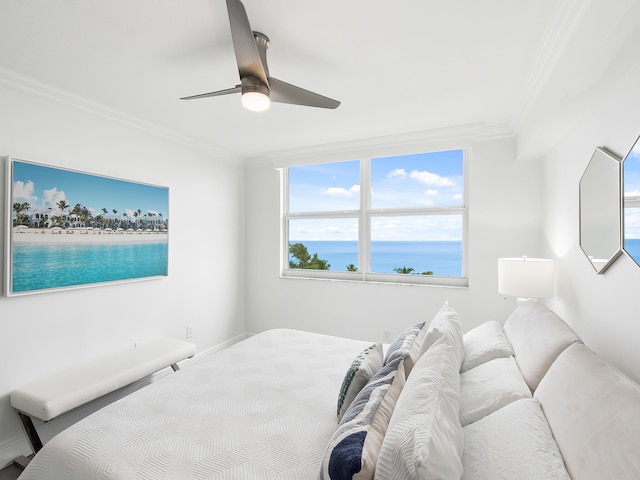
83,236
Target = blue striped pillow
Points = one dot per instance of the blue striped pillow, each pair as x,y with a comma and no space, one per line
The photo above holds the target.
353,448
407,346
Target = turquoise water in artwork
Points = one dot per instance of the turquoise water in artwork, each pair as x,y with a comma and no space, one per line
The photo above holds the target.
443,258
39,267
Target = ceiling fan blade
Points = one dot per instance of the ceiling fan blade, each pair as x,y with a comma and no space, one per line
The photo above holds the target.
283,92
228,91
244,44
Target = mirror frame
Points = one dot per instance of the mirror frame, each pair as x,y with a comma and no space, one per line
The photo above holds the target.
602,264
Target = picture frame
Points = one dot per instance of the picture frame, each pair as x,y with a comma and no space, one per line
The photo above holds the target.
68,229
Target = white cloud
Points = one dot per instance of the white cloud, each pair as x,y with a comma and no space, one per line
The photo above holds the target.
342,192
397,173
431,179
457,196
311,230
24,192
52,197
431,192
420,228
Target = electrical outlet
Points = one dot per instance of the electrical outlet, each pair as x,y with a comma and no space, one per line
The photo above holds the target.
189,332
386,336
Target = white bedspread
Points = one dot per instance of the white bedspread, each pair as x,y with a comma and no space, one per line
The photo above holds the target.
264,408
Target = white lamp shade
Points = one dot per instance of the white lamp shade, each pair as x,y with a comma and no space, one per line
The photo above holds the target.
525,277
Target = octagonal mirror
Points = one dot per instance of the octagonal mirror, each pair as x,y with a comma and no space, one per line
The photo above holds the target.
600,210
631,176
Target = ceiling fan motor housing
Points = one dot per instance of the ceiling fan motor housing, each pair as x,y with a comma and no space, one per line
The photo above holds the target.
253,84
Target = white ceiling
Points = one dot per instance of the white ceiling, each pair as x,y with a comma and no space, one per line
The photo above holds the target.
398,67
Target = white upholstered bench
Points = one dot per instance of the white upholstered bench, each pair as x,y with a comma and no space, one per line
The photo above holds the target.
63,391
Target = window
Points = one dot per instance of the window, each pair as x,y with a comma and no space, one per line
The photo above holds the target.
396,219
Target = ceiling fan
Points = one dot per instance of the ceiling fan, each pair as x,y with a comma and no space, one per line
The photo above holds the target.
258,88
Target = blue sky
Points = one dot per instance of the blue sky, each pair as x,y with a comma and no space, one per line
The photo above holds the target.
631,171
431,179
43,187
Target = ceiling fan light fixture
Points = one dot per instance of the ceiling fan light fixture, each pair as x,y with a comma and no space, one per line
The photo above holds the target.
255,95
255,101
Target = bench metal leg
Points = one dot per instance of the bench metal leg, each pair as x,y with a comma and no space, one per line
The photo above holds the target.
21,462
30,431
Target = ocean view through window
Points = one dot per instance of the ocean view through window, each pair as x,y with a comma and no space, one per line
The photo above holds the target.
396,219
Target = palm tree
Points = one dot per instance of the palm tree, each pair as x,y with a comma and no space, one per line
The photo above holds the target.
21,218
319,263
428,272
77,211
62,205
352,268
86,216
404,270
300,253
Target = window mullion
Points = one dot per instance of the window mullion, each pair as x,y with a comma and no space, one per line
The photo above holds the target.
324,214
390,212
364,244
284,231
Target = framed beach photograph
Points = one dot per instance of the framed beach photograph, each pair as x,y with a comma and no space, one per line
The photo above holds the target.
69,229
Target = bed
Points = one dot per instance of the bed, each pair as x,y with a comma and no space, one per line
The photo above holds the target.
264,408
519,400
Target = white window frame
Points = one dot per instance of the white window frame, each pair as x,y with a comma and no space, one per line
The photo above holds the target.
364,215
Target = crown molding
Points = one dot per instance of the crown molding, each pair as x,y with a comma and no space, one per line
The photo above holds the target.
34,87
403,143
566,17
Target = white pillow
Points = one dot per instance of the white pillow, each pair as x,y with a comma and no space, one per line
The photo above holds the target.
538,336
484,343
445,323
490,386
594,414
512,443
424,439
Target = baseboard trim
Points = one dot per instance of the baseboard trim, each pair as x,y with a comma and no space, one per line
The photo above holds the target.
13,448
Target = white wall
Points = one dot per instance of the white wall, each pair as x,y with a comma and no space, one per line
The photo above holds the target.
602,308
45,332
504,220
